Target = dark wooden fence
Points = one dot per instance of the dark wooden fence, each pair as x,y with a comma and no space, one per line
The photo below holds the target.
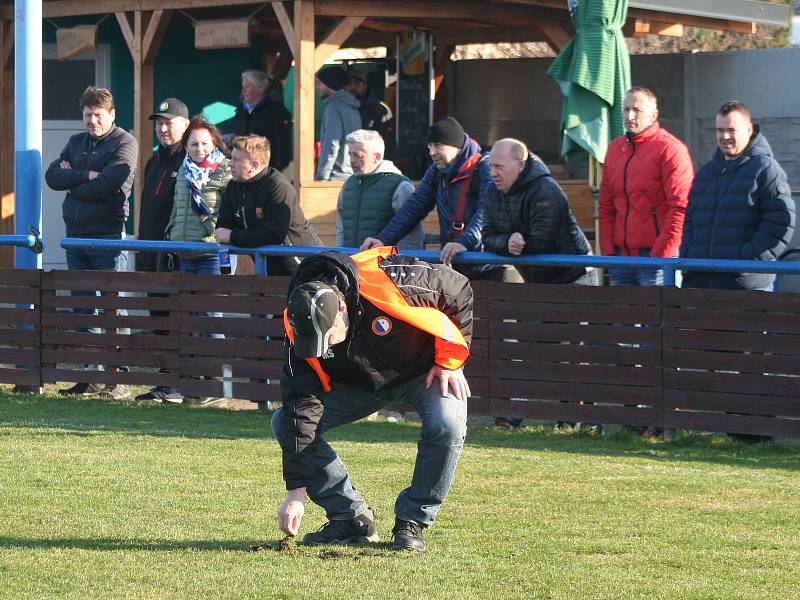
703,359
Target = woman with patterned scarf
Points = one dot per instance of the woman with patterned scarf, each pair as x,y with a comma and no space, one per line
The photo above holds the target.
201,180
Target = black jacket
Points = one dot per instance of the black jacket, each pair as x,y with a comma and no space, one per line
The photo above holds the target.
536,207
265,210
364,359
98,206
271,120
738,209
158,193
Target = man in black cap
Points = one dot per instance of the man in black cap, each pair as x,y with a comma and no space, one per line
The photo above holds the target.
158,190
364,331
340,117
456,185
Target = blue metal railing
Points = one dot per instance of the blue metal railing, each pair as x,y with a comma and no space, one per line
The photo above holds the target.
259,254
31,241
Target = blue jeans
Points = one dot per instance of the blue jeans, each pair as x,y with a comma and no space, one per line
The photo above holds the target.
634,276
203,265
94,259
444,427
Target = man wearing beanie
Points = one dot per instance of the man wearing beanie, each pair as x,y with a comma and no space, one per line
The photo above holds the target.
456,185
340,117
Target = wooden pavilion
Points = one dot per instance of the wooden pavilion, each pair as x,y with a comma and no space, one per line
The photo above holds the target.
306,33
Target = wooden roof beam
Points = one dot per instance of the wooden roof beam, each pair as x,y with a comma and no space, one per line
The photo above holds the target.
286,25
638,28
334,39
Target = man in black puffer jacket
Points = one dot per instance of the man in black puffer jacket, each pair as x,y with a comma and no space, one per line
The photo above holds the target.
260,206
527,213
740,206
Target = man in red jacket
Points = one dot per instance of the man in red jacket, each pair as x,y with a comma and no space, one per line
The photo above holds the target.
646,180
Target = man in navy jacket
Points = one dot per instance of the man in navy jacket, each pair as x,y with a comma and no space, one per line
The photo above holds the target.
456,185
740,206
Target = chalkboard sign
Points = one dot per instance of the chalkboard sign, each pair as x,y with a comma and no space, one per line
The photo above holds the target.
413,102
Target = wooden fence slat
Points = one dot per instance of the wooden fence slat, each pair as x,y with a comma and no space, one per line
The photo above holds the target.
111,281
153,360
526,312
576,392
237,327
138,341
536,371
727,301
785,406
240,368
19,295
731,320
732,382
751,425
744,362
238,347
53,375
738,341
586,413
20,356
109,321
109,302
578,294
571,332
576,353
31,377
20,278
255,305
19,337
18,316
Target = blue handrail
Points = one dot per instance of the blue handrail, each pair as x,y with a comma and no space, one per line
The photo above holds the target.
259,254
32,241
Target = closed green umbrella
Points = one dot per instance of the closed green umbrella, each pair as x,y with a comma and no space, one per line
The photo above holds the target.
593,71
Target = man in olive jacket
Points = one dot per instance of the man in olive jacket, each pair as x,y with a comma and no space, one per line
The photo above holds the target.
260,206
527,213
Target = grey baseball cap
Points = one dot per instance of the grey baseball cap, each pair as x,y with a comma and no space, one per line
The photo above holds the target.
312,310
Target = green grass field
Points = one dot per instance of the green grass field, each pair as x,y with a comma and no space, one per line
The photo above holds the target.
114,500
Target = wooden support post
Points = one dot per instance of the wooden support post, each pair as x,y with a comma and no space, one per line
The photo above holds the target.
441,58
7,140
304,135
143,39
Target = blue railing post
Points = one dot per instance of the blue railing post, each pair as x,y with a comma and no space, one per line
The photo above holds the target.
669,276
260,259
27,126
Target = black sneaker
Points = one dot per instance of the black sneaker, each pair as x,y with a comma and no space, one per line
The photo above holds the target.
161,393
407,536
115,391
83,389
350,532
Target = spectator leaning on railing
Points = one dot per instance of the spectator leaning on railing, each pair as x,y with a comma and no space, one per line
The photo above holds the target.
260,206
455,184
527,212
372,195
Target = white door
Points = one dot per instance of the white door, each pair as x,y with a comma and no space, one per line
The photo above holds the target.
63,84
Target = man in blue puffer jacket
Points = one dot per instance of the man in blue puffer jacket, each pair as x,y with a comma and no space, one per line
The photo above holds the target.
456,185
740,206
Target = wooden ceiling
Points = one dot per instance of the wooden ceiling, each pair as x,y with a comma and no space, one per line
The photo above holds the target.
450,21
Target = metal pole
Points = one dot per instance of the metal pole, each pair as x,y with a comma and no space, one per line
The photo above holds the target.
27,126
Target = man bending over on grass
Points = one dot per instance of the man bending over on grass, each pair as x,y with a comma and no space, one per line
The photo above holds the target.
364,331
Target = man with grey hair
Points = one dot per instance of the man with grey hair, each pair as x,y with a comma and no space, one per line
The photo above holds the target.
527,213
261,112
372,195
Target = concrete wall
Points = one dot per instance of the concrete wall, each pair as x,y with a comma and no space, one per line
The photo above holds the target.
497,98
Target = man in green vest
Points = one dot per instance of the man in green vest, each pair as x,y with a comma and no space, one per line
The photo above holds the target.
372,195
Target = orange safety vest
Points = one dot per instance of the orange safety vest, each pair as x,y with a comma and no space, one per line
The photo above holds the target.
450,348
